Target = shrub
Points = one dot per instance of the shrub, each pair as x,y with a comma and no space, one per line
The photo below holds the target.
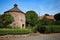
49,29
42,29
52,28
34,29
5,20
14,31
56,28
17,27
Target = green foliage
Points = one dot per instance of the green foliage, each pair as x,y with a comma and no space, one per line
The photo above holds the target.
46,15
49,29
17,27
6,31
41,29
31,18
39,23
34,29
57,22
46,21
57,19
5,19
57,16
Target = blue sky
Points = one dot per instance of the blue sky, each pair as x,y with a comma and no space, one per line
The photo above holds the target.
40,6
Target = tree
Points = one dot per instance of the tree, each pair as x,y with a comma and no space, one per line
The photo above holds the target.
57,16
46,21
46,15
5,20
31,18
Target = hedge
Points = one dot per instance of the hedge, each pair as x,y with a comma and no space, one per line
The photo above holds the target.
14,31
52,28
49,29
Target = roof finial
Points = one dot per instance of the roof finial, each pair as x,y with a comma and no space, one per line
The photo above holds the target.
15,5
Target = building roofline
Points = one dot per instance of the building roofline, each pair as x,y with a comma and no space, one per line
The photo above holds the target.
14,9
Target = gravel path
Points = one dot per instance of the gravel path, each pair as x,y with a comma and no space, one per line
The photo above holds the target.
40,37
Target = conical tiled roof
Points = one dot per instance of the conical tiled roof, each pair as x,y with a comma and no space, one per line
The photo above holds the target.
14,9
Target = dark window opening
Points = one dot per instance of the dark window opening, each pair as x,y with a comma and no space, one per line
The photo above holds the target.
22,25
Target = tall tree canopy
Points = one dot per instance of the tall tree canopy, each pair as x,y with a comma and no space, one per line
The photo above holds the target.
31,18
46,15
5,19
57,16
